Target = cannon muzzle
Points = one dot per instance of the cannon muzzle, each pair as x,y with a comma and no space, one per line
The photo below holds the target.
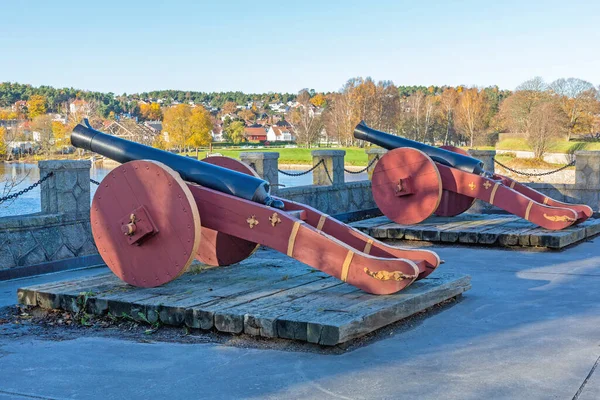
390,142
211,176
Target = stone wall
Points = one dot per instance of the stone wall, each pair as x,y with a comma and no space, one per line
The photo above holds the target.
61,231
333,200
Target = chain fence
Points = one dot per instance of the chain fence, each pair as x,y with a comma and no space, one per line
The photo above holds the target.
27,189
534,173
321,162
94,182
373,161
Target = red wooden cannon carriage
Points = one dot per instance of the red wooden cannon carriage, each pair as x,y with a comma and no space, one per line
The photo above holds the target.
412,181
157,212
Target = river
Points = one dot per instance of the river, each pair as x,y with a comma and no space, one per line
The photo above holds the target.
25,174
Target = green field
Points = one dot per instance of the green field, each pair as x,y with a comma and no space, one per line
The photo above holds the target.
354,155
556,147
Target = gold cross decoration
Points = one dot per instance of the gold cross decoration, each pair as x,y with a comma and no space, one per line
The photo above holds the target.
472,186
252,221
487,184
274,219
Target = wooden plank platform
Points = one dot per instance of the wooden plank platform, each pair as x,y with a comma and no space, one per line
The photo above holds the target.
485,229
267,295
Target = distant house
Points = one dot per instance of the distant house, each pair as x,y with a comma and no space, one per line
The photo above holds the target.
280,134
77,105
155,126
255,134
217,133
19,106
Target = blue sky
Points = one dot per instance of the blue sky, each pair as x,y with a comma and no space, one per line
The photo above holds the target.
133,46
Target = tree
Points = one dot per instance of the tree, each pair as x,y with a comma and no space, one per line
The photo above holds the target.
42,125
318,100
548,122
229,107
448,102
200,126
578,99
176,123
307,124
151,112
60,133
3,143
471,113
36,106
247,115
534,112
235,131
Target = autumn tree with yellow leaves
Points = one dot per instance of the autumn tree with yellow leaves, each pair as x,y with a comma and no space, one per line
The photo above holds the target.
36,106
187,126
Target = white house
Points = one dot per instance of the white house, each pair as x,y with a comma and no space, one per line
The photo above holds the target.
280,134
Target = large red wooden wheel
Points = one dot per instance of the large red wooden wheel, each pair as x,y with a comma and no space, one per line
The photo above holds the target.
145,223
453,203
218,248
406,185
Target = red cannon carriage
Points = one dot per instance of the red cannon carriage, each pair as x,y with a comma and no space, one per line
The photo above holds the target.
157,212
413,180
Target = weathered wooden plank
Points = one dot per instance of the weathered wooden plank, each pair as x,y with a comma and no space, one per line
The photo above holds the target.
258,298
372,314
489,229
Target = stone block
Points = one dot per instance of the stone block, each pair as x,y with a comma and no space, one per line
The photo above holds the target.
373,153
49,239
74,236
265,164
331,171
35,256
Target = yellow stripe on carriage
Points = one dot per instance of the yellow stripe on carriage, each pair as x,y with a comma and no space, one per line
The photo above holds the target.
346,265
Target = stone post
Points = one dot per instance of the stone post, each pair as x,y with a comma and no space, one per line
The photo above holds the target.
587,169
487,156
68,190
265,164
372,153
334,162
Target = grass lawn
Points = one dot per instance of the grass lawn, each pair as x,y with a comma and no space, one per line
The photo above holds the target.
556,147
526,163
354,155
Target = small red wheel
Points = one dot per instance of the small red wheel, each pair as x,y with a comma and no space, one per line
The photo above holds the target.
145,223
453,203
218,248
406,185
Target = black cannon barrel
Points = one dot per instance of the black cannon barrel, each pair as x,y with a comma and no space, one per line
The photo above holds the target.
211,176
390,142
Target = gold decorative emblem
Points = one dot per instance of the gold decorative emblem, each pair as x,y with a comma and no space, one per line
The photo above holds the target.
487,184
559,218
274,219
387,276
252,221
472,186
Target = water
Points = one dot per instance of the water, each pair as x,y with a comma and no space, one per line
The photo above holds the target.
25,174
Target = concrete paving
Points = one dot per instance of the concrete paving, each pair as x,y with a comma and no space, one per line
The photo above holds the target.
528,329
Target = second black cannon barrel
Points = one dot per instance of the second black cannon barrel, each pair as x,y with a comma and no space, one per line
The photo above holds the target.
446,157
211,176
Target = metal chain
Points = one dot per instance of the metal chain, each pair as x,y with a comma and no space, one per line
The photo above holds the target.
94,182
20,192
364,169
534,174
304,172
327,172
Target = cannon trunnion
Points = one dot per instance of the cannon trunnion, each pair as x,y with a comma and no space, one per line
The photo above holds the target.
413,181
150,222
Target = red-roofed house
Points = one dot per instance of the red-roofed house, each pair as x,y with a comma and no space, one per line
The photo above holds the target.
255,134
280,134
